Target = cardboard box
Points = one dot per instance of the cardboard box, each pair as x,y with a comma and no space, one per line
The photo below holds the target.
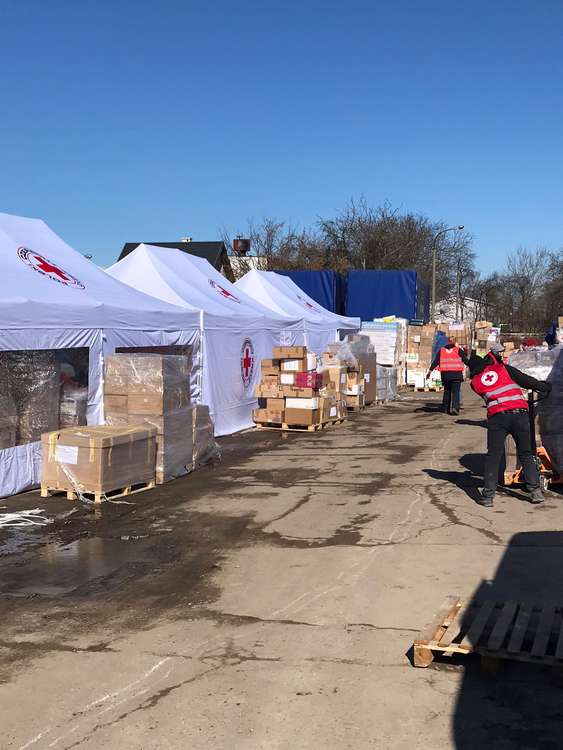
355,401
269,364
98,459
302,403
303,364
287,378
276,416
275,404
290,391
289,352
260,415
263,416
337,375
268,391
311,379
302,416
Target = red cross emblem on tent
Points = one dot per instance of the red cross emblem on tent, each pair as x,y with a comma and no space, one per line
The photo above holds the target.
489,378
306,303
247,361
223,292
45,267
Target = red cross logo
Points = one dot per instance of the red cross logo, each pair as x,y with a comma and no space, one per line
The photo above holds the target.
223,292
43,266
246,361
307,304
489,378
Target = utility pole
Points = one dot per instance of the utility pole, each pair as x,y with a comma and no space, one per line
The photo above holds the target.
434,249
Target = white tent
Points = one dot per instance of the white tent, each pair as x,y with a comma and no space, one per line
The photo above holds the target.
236,330
281,295
51,297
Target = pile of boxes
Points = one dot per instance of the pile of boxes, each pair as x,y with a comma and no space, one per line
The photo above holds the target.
154,390
346,373
365,355
294,390
485,335
420,343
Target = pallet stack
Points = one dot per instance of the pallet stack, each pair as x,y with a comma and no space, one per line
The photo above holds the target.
419,356
294,393
347,374
364,352
154,390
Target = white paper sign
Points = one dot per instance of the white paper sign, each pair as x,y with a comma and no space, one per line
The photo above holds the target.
66,454
332,411
291,365
367,376
287,378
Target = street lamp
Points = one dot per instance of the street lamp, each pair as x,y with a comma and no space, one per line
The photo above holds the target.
434,248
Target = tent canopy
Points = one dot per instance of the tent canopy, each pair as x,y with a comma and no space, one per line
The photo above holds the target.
282,295
182,279
45,284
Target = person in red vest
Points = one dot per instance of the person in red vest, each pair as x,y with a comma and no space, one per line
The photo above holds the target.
450,360
500,386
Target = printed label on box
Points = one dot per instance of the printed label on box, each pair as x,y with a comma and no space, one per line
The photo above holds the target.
367,377
287,378
291,365
66,454
343,378
332,411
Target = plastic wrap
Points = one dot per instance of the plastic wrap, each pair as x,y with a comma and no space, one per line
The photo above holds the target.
547,364
153,383
364,352
205,447
33,385
97,459
388,339
386,383
339,353
8,414
73,406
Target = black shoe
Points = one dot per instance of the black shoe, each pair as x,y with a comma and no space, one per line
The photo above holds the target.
536,497
485,501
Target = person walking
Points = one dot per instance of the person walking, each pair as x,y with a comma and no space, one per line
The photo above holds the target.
450,360
500,386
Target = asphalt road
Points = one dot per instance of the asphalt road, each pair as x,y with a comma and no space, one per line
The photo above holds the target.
271,601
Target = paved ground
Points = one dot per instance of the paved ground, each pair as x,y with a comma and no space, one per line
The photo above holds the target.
271,602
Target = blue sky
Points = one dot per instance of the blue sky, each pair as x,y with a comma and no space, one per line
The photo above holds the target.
128,121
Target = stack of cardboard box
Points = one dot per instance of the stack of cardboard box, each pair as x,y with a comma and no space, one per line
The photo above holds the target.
97,460
154,389
419,354
294,391
364,352
347,374
483,337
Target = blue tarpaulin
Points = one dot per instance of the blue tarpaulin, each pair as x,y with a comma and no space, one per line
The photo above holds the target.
323,286
375,294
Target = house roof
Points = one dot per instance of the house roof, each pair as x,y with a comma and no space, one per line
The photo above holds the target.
214,252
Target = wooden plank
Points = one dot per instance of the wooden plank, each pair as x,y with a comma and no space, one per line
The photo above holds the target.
543,632
435,628
471,640
502,625
455,628
519,629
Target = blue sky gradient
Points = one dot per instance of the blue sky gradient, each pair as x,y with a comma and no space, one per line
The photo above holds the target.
137,121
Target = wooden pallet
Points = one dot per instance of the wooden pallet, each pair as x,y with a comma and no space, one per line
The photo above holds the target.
429,389
298,428
99,497
515,631
356,408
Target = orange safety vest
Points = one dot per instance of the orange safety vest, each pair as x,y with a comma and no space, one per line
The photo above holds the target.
450,360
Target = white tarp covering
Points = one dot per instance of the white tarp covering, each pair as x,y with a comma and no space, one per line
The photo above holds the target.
236,330
51,297
281,295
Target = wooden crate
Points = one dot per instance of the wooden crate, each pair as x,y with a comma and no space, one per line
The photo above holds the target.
495,630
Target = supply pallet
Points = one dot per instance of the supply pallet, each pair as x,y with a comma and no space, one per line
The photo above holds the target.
99,496
297,428
514,631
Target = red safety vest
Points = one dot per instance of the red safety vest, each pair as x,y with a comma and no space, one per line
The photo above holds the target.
498,389
450,361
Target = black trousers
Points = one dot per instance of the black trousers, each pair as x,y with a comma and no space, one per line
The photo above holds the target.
451,398
498,427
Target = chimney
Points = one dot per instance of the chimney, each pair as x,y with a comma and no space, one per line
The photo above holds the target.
241,246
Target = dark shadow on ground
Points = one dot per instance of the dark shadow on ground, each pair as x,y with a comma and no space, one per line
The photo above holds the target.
471,480
520,706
